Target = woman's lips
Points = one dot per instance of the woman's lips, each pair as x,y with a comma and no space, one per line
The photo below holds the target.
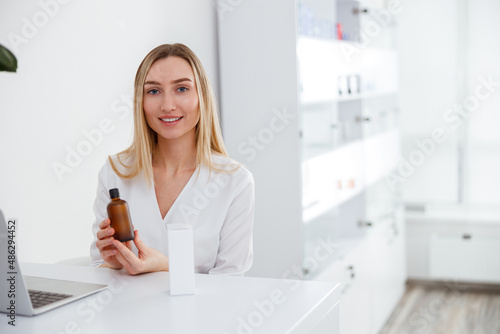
171,120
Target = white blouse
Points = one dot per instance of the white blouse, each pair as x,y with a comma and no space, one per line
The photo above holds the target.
219,206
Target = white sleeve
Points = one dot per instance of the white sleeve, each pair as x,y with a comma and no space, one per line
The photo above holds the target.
100,204
235,255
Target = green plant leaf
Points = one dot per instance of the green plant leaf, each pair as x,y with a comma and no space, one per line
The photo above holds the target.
8,61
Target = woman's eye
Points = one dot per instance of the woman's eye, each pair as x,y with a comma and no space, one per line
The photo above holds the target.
182,89
153,91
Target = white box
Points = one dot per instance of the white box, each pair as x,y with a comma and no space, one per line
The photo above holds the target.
181,259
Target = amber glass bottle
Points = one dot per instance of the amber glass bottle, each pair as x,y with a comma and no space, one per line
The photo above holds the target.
119,215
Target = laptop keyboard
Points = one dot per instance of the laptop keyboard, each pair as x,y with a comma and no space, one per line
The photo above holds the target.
42,298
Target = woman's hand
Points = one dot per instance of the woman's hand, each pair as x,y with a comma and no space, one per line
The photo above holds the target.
106,247
149,259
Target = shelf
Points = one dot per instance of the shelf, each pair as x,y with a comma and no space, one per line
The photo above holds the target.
318,208
453,214
327,183
346,44
326,66
360,165
361,96
380,140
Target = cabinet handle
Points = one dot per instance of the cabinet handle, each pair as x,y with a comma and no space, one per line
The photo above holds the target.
356,11
365,224
467,236
363,119
351,269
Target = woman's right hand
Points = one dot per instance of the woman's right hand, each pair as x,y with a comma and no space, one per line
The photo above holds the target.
105,245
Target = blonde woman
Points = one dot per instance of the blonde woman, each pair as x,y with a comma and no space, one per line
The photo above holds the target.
176,171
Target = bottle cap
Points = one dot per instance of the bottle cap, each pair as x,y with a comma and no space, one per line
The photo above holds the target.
114,193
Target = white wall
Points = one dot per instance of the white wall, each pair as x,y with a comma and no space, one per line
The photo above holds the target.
445,47
77,61
482,155
428,66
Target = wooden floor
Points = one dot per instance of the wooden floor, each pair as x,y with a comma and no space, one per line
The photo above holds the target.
446,308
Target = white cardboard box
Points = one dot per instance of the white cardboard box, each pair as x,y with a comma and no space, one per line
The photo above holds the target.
181,259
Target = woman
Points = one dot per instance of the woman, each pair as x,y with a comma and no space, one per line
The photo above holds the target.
176,171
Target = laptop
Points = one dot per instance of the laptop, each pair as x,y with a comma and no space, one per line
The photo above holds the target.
29,295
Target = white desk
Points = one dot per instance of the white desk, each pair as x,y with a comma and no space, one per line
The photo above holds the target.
222,305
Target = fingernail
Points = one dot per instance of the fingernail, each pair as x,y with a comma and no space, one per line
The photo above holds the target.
109,231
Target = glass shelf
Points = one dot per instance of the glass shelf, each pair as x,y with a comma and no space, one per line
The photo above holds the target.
349,130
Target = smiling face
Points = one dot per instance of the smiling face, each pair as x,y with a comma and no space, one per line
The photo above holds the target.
170,100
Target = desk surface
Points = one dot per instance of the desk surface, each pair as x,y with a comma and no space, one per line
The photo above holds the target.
222,304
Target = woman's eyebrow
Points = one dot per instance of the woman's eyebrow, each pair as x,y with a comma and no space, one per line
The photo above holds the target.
152,82
180,80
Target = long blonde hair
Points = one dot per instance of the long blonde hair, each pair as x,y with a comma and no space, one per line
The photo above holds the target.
138,157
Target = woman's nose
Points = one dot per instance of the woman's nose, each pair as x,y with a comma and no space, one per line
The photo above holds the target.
168,103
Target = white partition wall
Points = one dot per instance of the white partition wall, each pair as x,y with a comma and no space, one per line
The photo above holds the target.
260,124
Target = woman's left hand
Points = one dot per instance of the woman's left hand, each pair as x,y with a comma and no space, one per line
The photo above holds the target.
149,259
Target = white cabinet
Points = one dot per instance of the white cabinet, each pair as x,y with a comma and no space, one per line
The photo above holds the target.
352,272
355,308
454,243
319,132
387,268
372,275
464,257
